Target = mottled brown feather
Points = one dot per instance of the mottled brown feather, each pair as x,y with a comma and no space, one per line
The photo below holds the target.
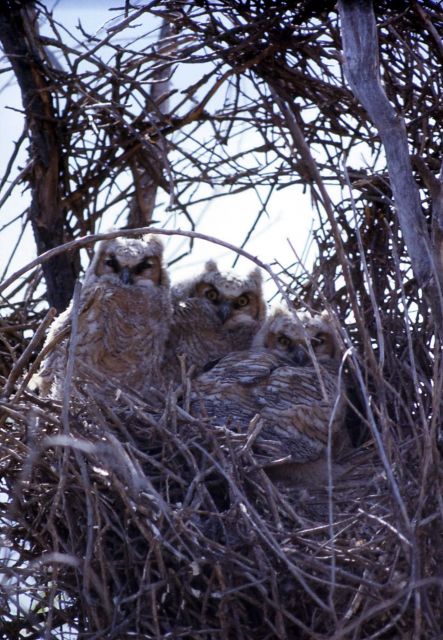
123,320
203,329
300,401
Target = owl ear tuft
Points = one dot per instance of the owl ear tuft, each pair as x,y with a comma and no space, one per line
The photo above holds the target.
256,277
155,242
211,265
277,312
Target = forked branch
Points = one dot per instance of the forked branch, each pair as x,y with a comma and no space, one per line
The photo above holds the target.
361,65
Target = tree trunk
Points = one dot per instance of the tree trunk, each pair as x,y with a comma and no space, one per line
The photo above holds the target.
152,158
361,65
18,35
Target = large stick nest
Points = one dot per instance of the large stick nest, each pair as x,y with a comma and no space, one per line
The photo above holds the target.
129,520
126,520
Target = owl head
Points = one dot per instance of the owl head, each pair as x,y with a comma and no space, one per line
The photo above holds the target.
129,261
235,299
287,334
322,334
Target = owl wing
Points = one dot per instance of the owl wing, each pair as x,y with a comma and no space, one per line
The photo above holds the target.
54,354
288,387
52,368
242,368
224,393
294,404
194,335
300,410
197,333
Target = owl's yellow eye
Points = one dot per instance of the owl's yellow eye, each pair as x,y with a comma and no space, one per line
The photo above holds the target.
212,295
144,264
242,301
284,341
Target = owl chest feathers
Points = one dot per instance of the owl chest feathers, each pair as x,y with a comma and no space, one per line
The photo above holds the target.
115,334
122,320
198,334
215,312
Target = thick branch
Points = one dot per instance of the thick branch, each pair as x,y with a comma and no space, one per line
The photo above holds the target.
17,31
146,185
361,65
435,187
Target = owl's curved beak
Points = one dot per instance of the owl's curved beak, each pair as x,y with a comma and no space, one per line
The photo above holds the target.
224,310
299,356
125,275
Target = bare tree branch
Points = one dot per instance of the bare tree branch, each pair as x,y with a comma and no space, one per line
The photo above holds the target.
142,204
361,64
17,27
144,505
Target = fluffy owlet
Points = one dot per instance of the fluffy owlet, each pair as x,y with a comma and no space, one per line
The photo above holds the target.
214,313
289,378
123,320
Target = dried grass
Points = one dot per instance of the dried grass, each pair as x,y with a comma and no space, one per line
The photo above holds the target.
126,519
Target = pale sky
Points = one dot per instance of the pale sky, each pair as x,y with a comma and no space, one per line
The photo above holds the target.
228,218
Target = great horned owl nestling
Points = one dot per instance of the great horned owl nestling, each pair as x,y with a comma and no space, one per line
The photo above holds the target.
286,333
215,312
299,402
123,319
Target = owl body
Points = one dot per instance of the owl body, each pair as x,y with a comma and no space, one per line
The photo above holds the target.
300,402
123,320
214,313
